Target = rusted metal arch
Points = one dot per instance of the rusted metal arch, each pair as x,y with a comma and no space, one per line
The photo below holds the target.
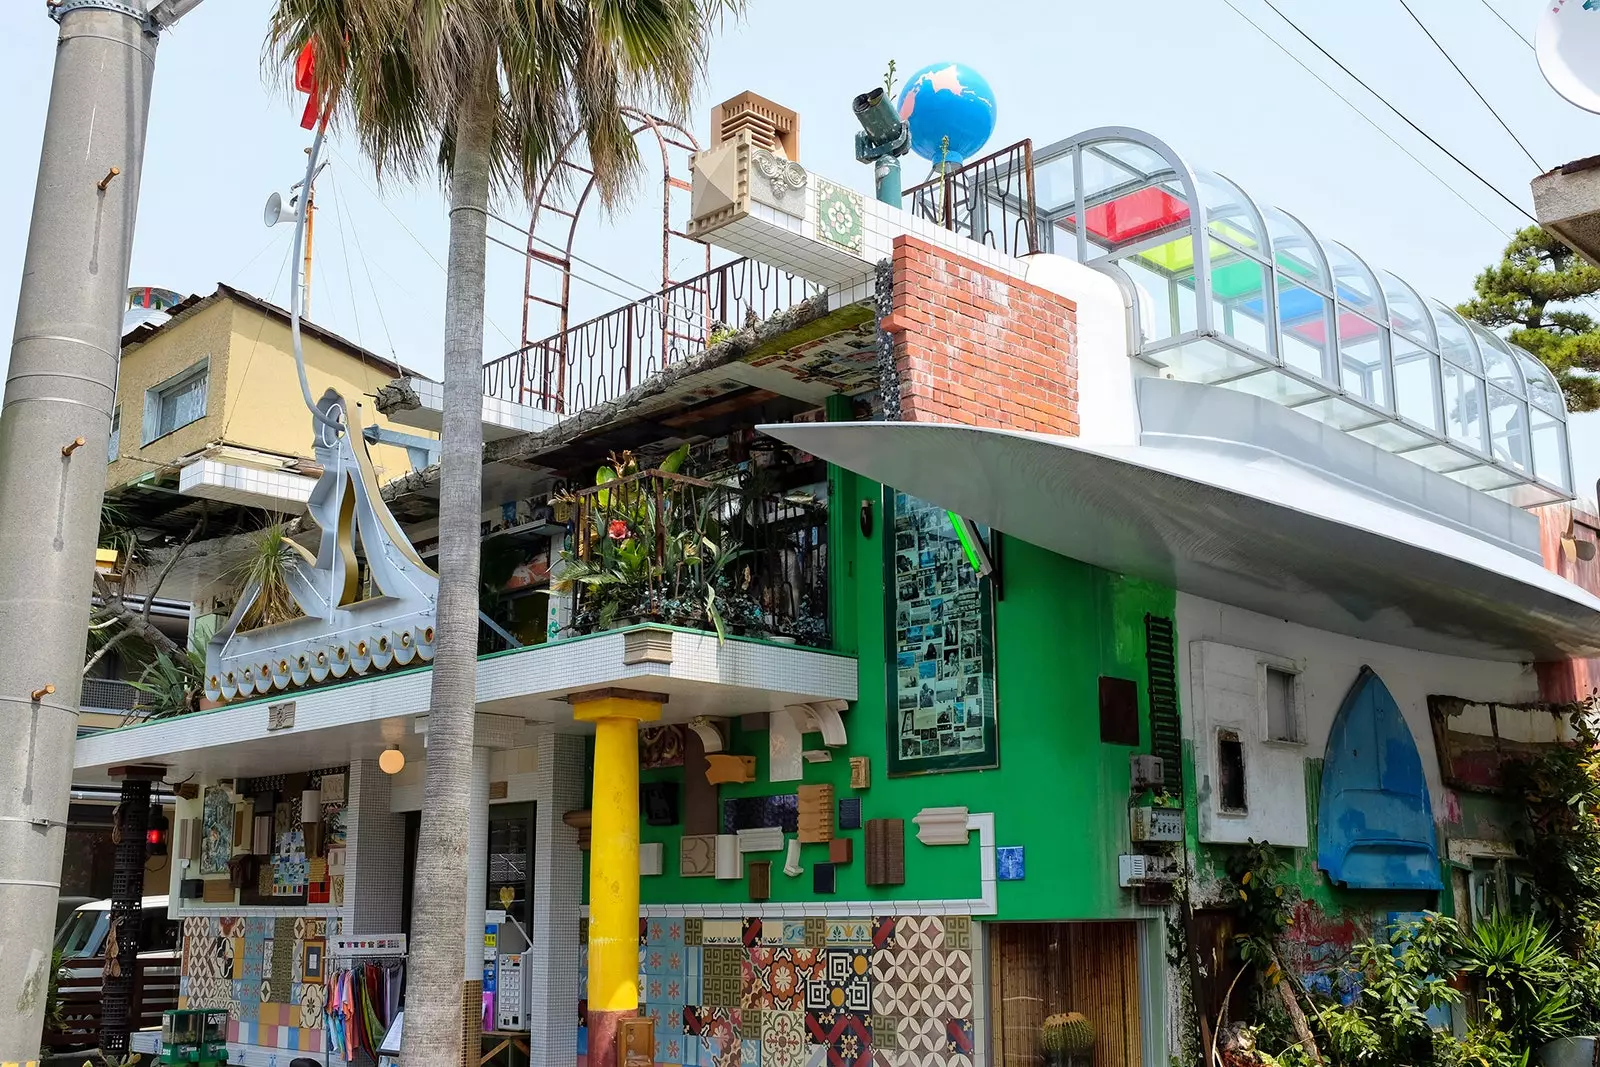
554,190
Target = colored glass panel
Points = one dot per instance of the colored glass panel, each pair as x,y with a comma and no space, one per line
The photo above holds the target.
1136,215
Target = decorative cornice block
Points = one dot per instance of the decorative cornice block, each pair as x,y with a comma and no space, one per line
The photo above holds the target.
941,826
761,839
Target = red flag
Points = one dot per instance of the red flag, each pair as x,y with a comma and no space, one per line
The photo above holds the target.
305,80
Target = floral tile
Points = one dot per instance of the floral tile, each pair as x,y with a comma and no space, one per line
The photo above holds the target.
750,1052
850,932
783,1038
781,976
958,1036
883,932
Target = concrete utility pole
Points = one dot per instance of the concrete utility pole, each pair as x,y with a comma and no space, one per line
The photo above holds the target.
54,429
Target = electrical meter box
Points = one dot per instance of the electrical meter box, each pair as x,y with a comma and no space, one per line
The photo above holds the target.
194,1037
1155,824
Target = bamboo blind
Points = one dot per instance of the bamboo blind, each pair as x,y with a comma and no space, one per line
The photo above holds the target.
1039,969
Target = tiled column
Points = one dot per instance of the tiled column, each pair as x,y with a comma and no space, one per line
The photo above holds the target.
375,840
614,861
552,973
477,875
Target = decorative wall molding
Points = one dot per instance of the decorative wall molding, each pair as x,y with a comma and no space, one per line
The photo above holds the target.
941,826
761,839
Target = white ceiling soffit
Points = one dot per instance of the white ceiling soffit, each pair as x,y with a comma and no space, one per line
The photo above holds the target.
1264,534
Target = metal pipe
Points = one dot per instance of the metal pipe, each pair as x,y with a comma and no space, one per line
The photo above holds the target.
61,385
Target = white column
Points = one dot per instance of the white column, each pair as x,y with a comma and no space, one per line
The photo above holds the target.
477,863
552,972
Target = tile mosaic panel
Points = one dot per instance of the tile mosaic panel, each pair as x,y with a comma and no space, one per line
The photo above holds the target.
883,991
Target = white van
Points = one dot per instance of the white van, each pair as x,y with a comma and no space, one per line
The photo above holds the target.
83,937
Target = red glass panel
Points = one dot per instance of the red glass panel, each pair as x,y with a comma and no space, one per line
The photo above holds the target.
1351,328
1127,218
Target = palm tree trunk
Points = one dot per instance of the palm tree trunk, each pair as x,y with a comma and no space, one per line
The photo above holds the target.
433,1030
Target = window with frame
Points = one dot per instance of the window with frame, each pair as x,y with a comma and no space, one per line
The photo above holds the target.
176,402
1280,699
115,444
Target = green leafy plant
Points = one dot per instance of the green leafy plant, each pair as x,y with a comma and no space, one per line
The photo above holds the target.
1560,831
1263,903
172,684
1521,970
652,547
1403,979
270,558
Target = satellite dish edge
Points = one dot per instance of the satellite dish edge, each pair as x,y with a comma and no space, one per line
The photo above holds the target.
1567,45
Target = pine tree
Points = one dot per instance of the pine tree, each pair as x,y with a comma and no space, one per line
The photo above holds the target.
1528,291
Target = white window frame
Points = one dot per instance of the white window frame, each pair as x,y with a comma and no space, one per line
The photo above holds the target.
114,445
150,431
1298,706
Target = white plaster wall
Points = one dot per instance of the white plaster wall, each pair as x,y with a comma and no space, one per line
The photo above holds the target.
1107,414
1330,663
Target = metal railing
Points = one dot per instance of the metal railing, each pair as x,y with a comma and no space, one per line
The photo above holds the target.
601,359
108,694
664,547
990,200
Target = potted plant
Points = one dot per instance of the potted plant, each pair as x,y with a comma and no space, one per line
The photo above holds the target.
1064,1037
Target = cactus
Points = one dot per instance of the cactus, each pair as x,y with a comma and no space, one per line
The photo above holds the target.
1067,1034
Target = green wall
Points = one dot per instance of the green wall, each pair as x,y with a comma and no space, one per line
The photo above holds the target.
1059,792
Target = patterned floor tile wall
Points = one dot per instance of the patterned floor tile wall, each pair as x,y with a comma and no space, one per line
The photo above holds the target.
267,972
879,992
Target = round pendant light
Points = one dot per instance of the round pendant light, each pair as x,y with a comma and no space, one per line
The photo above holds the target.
392,760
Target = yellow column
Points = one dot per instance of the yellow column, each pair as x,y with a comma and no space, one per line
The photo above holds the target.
614,862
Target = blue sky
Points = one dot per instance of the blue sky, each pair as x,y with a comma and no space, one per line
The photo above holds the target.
1190,71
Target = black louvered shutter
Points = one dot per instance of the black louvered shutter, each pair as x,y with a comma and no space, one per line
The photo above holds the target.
1166,731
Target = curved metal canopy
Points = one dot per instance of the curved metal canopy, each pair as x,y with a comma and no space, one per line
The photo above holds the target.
1245,296
1263,533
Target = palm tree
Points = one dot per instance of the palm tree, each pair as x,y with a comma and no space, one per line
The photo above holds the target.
486,91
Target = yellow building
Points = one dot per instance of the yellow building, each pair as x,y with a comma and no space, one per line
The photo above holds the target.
209,405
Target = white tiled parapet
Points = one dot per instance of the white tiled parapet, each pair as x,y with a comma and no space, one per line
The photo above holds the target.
236,483
749,201
501,418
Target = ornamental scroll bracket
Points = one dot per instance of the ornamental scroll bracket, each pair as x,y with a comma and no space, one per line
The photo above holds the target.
341,630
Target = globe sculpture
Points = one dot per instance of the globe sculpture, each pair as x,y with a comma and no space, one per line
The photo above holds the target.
947,101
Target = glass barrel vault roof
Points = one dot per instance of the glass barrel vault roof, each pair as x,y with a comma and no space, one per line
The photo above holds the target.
1245,296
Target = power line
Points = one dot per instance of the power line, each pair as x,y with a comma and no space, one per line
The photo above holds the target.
349,279
1368,119
425,250
355,232
1400,114
1481,98
1496,12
